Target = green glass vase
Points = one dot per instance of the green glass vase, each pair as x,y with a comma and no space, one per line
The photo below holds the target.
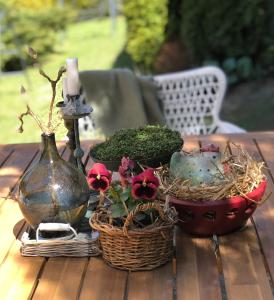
53,190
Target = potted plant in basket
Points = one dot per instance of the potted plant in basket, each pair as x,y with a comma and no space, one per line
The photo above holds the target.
136,229
213,192
151,145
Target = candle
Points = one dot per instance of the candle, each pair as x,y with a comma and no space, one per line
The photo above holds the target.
72,80
65,89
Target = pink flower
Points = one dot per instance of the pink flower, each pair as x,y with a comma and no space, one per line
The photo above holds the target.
210,148
144,185
125,169
99,178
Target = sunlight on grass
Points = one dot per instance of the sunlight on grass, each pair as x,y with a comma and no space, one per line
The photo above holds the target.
95,47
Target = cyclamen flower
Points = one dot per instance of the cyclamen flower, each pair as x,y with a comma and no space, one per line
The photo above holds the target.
99,178
210,148
125,168
144,185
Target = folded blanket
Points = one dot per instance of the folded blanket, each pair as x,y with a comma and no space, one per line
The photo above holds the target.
120,99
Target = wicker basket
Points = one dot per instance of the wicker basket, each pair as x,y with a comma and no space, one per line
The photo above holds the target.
138,249
71,245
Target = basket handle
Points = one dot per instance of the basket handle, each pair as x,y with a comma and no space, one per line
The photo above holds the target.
139,208
54,227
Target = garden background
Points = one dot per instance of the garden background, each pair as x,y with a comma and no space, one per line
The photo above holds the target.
150,37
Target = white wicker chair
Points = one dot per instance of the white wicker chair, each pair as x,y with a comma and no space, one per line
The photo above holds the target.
192,101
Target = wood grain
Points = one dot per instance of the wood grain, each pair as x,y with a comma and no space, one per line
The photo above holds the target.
243,266
153,285
242,260
61,279
103,282
15,165
197,272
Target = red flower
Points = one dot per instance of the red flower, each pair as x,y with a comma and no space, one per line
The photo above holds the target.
210,148
99,177
144,185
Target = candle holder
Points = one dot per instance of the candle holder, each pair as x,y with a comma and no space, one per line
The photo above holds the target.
72,109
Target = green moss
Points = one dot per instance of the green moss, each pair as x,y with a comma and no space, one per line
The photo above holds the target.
143,143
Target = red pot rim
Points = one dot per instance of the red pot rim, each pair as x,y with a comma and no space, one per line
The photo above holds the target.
255,195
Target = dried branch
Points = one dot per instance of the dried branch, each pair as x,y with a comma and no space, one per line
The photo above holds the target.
53,87
33,115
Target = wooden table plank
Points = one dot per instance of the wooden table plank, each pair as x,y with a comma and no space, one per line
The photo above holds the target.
17,273
264,216
153,285
5,152
14,167
243,266
10,214
242,256
197,271
103,282
61,279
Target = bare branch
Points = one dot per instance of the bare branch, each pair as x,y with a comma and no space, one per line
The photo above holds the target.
45,75
34,116
53,86
20,129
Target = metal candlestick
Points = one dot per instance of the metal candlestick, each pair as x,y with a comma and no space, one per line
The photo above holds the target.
72,110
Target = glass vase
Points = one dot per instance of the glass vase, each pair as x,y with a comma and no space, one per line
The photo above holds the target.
53,190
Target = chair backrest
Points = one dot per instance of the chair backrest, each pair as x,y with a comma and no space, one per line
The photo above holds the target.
192,99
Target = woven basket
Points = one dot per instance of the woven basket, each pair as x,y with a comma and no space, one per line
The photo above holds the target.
138,249
76,245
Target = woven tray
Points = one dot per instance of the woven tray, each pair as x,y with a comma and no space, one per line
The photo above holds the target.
72,244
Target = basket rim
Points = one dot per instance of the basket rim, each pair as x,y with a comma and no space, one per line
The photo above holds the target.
118,231
261,187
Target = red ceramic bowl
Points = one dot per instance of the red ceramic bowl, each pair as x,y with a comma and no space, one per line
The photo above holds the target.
205,218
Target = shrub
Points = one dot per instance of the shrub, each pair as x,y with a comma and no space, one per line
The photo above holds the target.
38,29
33,4
235,34
146,22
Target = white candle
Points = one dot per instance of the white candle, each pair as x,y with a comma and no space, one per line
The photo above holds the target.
72,82
65,89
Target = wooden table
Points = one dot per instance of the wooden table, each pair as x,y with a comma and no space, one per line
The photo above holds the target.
235,266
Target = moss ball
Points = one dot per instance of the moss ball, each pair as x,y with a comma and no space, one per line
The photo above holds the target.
142,143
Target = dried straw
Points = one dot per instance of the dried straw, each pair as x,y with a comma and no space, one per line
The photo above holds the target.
244,175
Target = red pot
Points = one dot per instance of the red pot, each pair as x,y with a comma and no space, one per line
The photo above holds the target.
206,218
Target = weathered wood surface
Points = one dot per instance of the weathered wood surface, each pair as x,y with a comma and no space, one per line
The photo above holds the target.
234,266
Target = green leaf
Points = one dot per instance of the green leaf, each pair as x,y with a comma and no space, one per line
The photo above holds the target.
125,195
118,210
230,64
245,67
132,204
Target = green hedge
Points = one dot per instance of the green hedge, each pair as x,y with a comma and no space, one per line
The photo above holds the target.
36,28
237,35
146,22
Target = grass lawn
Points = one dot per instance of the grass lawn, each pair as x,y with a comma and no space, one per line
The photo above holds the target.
95,47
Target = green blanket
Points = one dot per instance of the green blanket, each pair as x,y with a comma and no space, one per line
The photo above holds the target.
120,99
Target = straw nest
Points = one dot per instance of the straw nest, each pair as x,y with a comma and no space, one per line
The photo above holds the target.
241,175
